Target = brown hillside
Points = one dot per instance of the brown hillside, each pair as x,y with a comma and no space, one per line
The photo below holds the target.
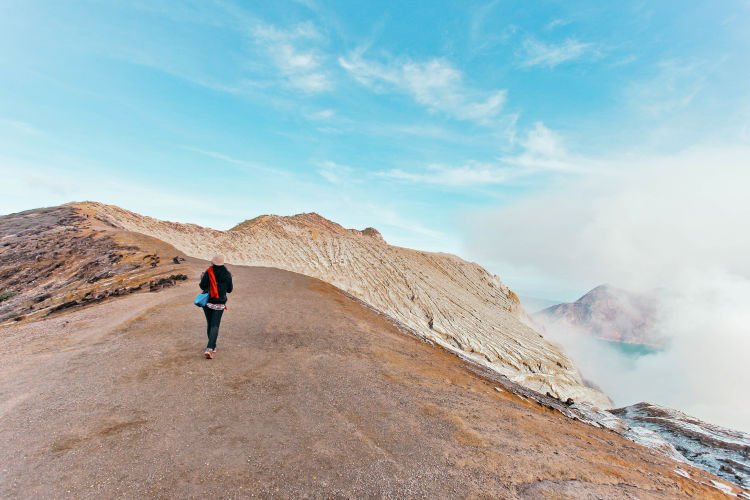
311,394
58,258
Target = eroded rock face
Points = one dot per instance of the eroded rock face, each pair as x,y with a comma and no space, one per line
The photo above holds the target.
440,297
723,451
54,259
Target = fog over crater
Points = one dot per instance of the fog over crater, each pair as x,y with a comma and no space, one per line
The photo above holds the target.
677,225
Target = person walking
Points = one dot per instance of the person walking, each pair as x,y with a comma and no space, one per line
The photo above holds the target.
217,282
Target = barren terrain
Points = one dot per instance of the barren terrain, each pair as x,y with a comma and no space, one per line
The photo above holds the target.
440,297
52,259
311,394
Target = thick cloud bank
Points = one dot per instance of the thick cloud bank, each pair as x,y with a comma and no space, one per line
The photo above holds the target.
680,225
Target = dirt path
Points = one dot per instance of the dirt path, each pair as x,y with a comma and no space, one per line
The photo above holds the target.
310,395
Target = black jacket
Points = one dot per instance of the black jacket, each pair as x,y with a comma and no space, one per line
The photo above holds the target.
223,282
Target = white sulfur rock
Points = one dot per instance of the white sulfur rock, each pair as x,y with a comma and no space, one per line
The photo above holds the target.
440,297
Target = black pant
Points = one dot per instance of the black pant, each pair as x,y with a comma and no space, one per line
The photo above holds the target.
213,320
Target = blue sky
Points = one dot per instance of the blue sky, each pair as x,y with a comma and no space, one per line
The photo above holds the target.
412,117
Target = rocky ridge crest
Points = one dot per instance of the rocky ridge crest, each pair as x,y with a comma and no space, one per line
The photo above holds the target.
440,297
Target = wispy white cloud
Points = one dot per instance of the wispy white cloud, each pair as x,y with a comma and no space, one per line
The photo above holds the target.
537,53
478,18
673,86
289,53
469,174
556,23
427,130
542,151
624,61
244,164
30,185
335,173
293,54
543,141
434,84
321,114
19,126
393,217
484,34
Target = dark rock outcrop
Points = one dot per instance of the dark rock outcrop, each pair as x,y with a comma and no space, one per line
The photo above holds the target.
55,259
725,452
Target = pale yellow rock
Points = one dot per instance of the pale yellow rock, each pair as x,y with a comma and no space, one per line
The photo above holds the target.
441,297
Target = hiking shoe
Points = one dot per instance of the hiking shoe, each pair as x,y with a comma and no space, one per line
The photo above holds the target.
209,354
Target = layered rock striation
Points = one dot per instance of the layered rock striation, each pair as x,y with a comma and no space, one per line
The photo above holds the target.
440,297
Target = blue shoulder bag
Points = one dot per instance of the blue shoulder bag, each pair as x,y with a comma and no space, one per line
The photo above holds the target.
201,300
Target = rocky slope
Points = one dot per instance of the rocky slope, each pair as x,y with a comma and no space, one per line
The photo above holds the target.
723,451
608,313
616,315
55,261
312,395
57,258
440,297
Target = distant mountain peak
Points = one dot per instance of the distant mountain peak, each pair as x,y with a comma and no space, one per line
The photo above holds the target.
604,290
609,313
